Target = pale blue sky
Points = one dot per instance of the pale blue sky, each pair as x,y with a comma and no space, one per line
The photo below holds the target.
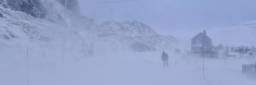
170,14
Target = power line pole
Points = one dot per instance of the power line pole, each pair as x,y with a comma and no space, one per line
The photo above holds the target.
203,67
27,67
204,55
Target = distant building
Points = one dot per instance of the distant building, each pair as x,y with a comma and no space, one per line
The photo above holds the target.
202,45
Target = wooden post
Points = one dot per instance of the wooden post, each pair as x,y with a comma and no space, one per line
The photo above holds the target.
27,66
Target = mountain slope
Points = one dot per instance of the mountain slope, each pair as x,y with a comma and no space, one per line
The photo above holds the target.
36,48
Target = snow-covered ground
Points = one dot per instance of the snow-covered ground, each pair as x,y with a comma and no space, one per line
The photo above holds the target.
118,68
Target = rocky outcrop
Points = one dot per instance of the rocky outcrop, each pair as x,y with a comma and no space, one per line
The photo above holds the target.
36,8
31,7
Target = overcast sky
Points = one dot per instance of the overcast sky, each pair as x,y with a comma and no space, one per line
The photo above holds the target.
173,14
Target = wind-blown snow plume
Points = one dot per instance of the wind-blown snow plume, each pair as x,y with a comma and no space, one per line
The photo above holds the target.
71,5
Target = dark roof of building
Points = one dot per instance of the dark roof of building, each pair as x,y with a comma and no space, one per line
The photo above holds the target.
202,38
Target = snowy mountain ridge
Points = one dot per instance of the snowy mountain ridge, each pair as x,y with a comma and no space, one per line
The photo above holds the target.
62,26
127,28
237,35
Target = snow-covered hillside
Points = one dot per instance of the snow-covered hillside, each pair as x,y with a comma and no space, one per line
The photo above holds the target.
37,41
242,34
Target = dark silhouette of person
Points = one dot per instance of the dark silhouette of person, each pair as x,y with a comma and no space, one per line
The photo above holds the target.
165,58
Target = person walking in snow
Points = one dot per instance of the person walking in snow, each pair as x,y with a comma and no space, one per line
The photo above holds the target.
165,58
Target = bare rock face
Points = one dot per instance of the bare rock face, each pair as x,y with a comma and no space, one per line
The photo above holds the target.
36,8
31,7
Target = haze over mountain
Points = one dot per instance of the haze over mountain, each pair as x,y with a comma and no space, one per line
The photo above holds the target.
166,15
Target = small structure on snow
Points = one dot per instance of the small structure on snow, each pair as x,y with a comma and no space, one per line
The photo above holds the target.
249,68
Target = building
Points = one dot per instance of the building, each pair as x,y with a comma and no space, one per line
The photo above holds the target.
202,45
